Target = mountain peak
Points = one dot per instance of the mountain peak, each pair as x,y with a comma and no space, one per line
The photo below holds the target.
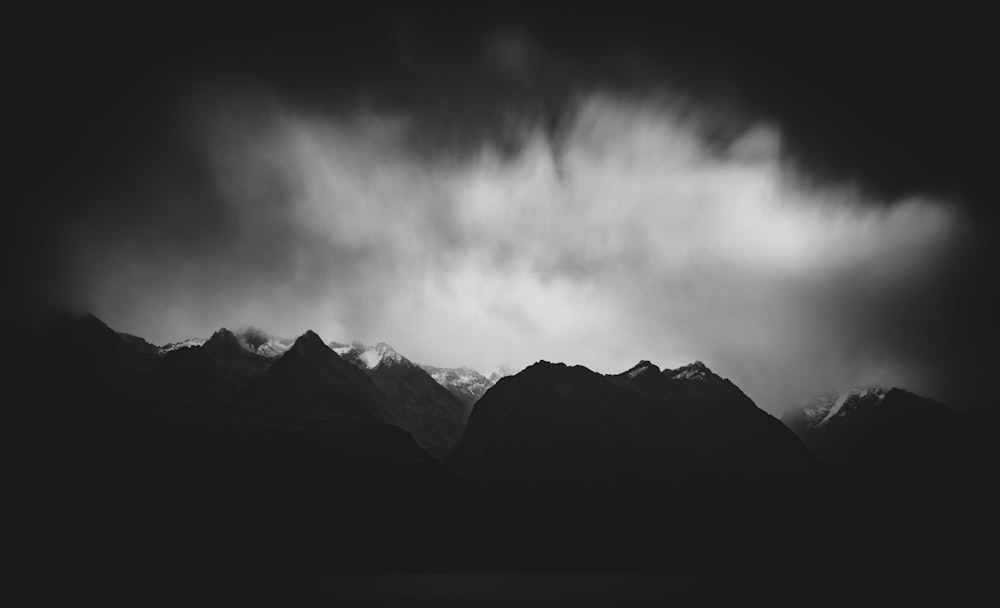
831,405
385,349
188,343
308,340
369,357
858,396
641,367
224,340
223,334
311,335
691,371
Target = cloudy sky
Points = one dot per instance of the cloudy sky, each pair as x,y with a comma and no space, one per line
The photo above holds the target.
803,208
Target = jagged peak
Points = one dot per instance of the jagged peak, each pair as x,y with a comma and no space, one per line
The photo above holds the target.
225,339
187,343
692,371
388,355
868,389
308,339
223,333
641,367
852,398
369,357
384,348
544,363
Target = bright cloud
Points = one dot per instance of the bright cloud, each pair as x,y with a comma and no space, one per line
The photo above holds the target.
623,236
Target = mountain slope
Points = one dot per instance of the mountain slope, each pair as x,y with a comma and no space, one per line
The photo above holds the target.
310,381
189,491
86,343
418,403
868,429
197,370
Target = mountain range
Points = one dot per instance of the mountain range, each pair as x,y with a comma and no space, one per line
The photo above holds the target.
271,454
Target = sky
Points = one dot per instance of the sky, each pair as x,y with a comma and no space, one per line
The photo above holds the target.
803,208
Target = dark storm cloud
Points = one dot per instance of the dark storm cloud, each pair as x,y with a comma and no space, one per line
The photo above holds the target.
362,173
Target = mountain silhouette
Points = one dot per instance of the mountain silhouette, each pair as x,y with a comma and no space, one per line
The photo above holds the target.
568,431
214,456
871,432
313,382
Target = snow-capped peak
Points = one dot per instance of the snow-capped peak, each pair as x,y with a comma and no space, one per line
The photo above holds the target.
691,371
641,368
849,401
188,343
250,338
368,357
464,382
263,343
388,354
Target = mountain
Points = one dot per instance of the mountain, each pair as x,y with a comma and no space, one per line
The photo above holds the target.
645,434
369,357
869,429
311,382
192,373
250,486
263,343
187,343
251,338
140,344
97,353
242,470
232,353
465,383
421,405
195,370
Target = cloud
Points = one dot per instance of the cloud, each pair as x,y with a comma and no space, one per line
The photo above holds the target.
621,236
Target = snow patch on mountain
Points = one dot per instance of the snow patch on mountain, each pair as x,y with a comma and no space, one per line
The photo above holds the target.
369,357
691,371
275,347
641,368
465,382
172,346
250,338
340,349
850,401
